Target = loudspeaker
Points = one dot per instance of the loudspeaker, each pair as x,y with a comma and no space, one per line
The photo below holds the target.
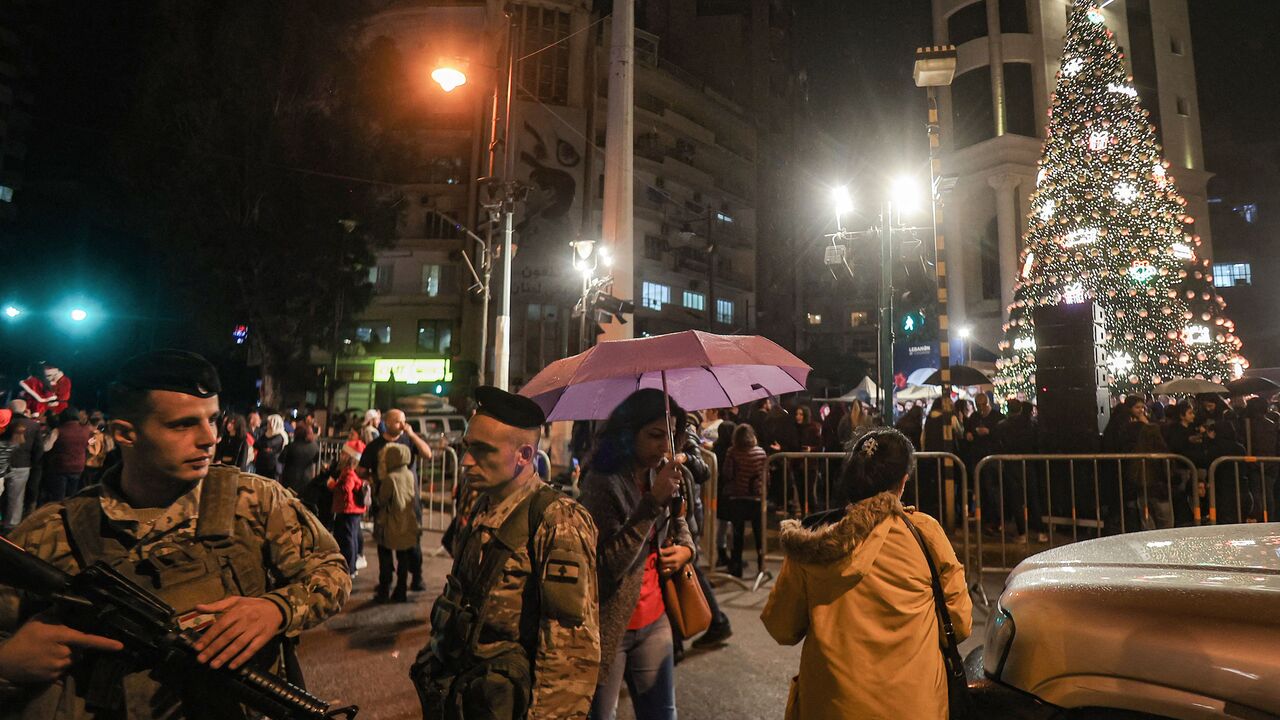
1072,396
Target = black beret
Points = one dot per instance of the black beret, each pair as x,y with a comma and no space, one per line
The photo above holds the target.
514,410
174,370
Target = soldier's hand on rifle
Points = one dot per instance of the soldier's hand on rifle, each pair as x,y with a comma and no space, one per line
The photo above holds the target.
243,626
41,651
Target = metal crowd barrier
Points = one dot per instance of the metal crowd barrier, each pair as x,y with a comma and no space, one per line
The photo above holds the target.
1254,499
1095,493
799,484
437,481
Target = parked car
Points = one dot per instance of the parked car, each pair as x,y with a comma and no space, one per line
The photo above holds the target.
440,429
1181,623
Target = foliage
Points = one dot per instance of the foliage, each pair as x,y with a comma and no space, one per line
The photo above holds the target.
250,126
1108,224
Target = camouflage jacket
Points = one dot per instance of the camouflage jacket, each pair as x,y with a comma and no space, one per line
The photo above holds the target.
307,577
568,652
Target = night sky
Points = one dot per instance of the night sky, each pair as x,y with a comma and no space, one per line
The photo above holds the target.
857,55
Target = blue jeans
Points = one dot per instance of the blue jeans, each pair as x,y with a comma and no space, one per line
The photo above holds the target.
15,492
646,659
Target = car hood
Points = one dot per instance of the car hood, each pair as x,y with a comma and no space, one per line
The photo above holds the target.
1233,548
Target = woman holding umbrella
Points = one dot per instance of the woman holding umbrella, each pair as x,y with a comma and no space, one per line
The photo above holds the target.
629,484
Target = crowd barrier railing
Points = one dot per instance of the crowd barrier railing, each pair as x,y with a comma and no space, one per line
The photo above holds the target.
1070,495
437,481
801,483
1248,498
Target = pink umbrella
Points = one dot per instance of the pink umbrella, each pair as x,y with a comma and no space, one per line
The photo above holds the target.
698,370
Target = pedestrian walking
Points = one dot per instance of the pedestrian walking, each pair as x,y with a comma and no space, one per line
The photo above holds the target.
66,450
25,458
231,545
742,482
628,489
347,488
371,469
298,460
233,443
267,450
855,587
516,632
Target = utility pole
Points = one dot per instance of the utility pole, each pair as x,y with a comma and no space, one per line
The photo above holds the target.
619,157
886,314
502,332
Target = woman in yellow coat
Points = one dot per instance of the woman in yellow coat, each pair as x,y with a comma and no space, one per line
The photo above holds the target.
855,587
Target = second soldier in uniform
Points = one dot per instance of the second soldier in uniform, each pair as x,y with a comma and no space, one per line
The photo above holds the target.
515,633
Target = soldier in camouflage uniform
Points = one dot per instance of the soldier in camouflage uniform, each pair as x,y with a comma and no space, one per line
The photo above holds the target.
232,550
516,632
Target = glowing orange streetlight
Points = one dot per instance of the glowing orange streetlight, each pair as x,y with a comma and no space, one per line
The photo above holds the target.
450,74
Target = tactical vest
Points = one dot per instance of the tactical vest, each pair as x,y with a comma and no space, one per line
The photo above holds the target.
223,558
453,681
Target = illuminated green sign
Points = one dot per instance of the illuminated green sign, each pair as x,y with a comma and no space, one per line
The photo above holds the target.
412,371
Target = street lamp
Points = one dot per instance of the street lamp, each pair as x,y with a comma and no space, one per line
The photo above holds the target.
451,74
843,202
964,332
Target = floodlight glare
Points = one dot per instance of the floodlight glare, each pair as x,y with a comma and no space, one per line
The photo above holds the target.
11,311
448,77
79,315
905,194
843,201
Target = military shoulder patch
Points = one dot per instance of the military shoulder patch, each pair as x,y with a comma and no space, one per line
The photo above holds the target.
563,571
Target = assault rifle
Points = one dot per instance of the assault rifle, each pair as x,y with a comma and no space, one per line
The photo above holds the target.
101,601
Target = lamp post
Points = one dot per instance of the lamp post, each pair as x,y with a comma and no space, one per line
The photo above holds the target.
902,197
935,67
451,74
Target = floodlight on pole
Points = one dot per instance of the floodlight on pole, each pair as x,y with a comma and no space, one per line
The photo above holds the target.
905,194
963,332
79,315
843,201
450,75
11,311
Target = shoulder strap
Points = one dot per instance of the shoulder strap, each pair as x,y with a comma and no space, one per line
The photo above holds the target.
82,520
218,494
518,529
951,647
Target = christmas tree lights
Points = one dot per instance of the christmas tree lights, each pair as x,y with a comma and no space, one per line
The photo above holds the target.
1107,224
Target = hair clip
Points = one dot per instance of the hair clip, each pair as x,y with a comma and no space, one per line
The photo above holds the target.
869,447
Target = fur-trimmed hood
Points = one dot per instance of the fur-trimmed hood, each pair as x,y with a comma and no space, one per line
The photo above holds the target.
836,542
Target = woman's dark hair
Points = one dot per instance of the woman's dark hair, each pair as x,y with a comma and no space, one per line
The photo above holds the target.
803,409
302,433
876,464
961,406
237,424
915,412
615,446
1255,407
744,437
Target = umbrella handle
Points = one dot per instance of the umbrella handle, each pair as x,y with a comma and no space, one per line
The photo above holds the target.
671,436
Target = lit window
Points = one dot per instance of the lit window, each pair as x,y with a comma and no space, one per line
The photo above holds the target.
695,301
374,332
380,278
654,295
1232,274
431,280
435,336
724,311
857,318
722,217
815,319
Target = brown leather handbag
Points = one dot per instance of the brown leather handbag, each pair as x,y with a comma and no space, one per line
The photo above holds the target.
687,607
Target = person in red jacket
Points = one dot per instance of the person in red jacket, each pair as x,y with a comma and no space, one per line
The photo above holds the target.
347,510
47,389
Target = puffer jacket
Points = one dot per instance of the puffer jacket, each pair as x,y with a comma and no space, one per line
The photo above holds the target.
395,522
857,592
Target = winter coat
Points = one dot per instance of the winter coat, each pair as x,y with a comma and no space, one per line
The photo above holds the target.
625,518
395,523
742,474
858,593
344,488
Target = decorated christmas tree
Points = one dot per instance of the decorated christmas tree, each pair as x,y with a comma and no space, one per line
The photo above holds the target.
1107,224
